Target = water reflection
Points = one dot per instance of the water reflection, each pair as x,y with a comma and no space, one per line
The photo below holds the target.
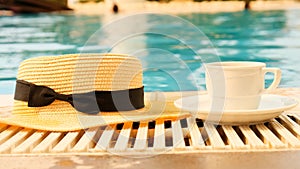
270,37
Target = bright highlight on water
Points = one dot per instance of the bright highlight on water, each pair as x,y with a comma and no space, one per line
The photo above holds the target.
264,36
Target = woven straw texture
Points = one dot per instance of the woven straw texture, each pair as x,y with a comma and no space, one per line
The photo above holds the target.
81,73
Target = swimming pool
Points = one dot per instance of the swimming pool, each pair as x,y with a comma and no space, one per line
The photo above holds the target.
268,36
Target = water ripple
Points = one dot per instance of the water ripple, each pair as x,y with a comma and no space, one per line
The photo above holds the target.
266,36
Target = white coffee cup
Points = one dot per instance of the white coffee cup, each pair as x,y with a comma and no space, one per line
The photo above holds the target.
239,84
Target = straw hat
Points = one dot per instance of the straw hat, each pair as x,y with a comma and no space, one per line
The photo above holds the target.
78,91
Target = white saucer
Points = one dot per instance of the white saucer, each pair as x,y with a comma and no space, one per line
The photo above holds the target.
270,106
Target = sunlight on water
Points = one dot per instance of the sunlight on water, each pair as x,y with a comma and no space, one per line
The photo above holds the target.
271,37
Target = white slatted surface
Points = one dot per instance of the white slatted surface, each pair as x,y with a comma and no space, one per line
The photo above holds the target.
104,141
214,137
144,137
251,138
159,135
124,136
48,143
86,141
269,137
67,142
31,142
141,137
233,139
15,140
6,134
194,132
284,133
178,139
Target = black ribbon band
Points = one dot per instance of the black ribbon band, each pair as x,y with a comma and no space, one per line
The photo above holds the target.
90,103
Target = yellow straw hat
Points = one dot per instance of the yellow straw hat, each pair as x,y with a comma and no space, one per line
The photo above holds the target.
78,91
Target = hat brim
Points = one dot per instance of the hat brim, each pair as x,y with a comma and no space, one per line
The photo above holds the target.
51,120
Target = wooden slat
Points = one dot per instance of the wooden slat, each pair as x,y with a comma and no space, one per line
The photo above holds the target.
178,140
3,127
281,134
197,140
292,125
214,137
86,140
297,117
159,135
13,141
141,137
251,138
269,137
6,134
286,134
30,143
46,145
233,139
122,142
103,142
67,142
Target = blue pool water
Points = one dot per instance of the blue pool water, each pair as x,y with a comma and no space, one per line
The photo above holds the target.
272,37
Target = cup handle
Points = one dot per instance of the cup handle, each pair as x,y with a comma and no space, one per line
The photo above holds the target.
276,80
